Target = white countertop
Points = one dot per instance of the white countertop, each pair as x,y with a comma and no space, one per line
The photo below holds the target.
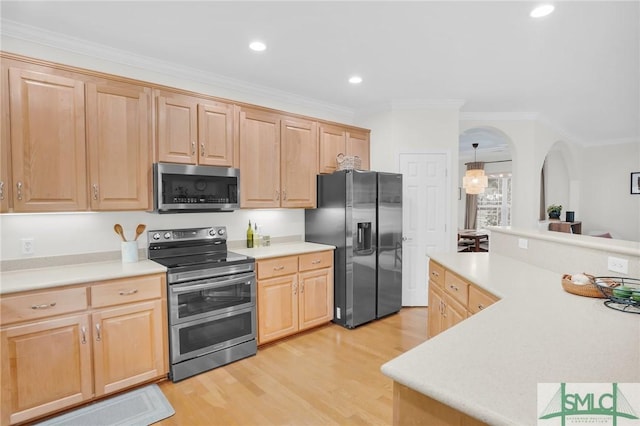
489,365
283,249
35,279
40,278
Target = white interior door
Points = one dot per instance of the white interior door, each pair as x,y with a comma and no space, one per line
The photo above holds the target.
424,221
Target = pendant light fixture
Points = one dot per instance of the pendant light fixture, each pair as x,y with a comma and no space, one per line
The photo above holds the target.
474,180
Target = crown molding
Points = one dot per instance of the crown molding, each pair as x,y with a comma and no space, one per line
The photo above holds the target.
84,48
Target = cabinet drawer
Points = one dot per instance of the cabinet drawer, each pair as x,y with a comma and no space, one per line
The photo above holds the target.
436,273
318,260
478,299
277,267
126,290
456,287
42,304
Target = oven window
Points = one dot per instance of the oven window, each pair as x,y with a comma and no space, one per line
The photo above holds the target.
215,299
216,331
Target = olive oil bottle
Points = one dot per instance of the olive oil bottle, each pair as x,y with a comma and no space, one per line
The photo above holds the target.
249,236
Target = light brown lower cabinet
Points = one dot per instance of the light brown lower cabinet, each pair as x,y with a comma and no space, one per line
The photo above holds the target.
295,293
452,299
413,408
61,348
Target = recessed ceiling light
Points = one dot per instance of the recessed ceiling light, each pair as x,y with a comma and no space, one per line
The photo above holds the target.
355,79
541,11
257,46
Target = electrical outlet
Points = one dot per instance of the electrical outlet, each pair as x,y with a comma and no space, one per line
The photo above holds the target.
338,312
28,246
523,243
615,264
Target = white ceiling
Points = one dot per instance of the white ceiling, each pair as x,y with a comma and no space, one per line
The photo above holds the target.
578,68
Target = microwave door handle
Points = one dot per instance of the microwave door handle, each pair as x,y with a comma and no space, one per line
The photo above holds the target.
211,285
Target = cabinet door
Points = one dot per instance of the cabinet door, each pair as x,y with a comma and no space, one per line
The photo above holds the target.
46,366
259,159
315,298
358,144
215,134
299,162
332,142
177,131
48,155
277,308
128,345
434,311
118,117
5,137
454,313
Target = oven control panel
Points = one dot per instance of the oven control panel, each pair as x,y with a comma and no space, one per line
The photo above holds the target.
214,232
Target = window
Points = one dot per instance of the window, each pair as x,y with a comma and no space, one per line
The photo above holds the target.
494,205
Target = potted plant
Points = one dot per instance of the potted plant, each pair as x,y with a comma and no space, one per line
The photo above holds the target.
554,211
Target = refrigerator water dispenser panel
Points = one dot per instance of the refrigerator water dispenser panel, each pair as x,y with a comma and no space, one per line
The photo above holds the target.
363,244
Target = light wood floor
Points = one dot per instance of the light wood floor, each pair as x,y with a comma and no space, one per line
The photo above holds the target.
327,376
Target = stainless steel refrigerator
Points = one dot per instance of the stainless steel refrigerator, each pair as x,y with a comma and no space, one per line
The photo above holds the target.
360,212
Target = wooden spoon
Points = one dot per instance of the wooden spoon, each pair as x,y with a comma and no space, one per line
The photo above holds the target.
118,228
139,230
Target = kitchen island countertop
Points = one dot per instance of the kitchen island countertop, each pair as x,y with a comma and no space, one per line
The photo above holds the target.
489,365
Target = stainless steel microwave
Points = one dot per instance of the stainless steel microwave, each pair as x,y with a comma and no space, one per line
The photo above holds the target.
181,188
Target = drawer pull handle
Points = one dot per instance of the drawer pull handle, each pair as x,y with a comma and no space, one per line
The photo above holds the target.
95,191
480,306
98,334
453,287
84,335
315,262
19,188
435,274
44,306
278,268
202,149
193,147
127,292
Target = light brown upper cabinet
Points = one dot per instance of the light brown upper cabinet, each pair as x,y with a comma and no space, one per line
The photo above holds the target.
335,140
48,151
5,137
299,157
76,141
119,142
193,130
277,160
358,144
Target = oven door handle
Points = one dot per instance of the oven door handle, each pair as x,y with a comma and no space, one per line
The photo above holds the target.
209,284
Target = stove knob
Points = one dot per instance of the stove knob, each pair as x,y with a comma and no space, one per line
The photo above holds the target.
221,231
212,232
167,235
156,236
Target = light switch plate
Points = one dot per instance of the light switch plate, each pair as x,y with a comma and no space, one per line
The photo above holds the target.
28,246
615,264
523,243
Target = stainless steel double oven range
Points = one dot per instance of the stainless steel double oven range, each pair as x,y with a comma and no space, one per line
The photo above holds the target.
211,299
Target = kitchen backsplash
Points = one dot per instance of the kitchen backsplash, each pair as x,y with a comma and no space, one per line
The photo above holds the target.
61,234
